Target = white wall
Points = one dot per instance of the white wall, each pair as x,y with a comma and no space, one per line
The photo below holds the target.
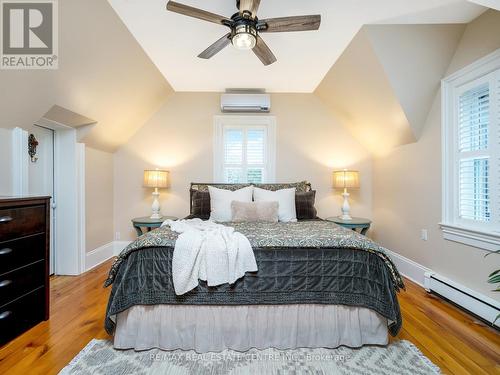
179,138
40,173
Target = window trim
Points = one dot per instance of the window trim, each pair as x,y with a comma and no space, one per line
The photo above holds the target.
220,122
452,229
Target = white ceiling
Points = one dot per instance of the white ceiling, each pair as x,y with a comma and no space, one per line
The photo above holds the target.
173,41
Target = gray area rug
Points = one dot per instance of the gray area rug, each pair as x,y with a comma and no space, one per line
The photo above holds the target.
401,357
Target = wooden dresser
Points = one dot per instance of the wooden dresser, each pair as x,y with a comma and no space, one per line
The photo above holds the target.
24,264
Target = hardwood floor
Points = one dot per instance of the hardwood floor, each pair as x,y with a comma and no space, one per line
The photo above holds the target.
452,339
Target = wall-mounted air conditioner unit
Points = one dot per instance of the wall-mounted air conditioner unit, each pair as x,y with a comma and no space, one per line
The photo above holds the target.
245,103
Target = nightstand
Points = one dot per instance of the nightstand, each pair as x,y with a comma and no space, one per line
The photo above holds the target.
148,223
356,223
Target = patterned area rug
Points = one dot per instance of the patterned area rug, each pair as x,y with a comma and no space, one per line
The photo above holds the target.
401,357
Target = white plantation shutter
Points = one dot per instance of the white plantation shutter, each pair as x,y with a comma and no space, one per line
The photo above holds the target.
473,119
477,155
473,160
244,149
495,153
233,155
256,155
474,198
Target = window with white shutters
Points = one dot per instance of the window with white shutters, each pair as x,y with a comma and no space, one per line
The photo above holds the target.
471,154
244,149
473,157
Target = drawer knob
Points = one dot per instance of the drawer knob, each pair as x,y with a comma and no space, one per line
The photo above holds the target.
5,219
5,251
5,314
4,283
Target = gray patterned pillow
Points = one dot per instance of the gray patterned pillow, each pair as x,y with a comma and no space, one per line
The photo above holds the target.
301,186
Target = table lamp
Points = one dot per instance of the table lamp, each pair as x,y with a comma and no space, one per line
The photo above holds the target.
345,179
156,179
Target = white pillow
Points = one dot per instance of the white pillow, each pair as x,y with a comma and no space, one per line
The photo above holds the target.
285,199
220,201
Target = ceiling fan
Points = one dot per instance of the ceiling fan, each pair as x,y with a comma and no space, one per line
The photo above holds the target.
246,27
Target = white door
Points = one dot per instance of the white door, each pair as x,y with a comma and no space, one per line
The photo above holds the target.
41,176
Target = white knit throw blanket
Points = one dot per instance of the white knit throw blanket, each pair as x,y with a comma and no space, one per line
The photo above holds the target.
210,252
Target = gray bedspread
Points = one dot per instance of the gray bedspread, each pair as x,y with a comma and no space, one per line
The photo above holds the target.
313,262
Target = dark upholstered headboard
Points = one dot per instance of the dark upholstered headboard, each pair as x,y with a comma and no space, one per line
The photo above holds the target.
198,186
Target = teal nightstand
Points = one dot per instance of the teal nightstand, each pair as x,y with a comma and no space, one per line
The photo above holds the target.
356,223
148,223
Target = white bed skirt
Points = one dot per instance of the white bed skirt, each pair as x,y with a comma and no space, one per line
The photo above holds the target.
216,328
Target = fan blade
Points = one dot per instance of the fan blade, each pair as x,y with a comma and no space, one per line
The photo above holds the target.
263,52
216,47
196,13
284,24
251,6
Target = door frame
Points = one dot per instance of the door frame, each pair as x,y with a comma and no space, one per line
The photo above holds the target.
53,219
69,189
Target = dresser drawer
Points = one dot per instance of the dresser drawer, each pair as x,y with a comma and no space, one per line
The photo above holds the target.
22,314
17,283
18,253
22,221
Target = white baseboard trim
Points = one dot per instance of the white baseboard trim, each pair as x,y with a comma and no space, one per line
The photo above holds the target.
99,255
119,246
475,302
409,268
103,253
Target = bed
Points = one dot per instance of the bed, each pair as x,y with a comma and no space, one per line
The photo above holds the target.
317,285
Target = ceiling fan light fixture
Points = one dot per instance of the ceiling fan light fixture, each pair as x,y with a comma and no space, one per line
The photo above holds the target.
244,37
245,27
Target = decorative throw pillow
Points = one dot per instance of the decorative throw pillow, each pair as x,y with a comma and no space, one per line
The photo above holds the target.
201,204
304,205
285,199
220,201
254,211
299,186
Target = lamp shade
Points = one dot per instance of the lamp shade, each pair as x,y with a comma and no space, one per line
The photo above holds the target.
155,178
345,179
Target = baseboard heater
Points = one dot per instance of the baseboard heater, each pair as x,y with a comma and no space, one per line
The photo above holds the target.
480,305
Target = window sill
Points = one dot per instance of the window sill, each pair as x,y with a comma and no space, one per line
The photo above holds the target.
482,240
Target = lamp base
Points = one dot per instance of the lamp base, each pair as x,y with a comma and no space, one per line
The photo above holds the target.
156,206
346,209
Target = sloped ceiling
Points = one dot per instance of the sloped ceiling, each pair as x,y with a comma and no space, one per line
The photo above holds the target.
103,74
493,4
415,58
173,41
357,90
384,83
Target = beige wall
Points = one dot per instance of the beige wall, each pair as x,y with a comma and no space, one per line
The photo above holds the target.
414,58
98,198
407,185
103,74
310,144
357,89
383,85
5,161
